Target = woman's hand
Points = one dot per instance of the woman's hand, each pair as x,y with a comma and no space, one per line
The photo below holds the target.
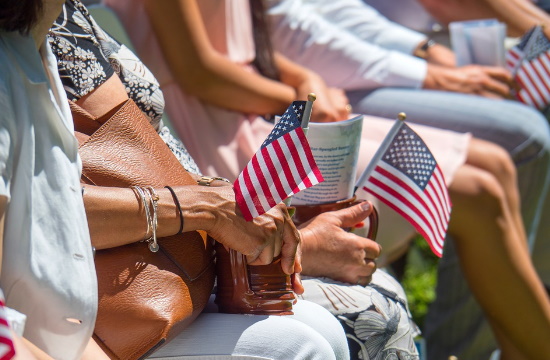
260,240
331,103
488,81
330,251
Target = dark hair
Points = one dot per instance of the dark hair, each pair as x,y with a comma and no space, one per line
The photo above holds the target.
19,15
264,61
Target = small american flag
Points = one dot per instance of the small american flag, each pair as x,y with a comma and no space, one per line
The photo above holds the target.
283,166
405,176
529,62
7,349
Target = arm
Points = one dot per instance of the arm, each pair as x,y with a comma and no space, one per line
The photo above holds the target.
328,250
487,81
203,72
116,218
331,103
519,15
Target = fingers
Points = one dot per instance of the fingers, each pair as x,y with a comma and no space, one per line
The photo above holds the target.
289,251
499,74
496,87
363,280
355,214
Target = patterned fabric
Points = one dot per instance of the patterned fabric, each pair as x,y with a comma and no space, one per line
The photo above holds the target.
87,56
376,317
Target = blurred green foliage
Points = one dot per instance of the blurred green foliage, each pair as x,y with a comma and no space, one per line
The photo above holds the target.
419,279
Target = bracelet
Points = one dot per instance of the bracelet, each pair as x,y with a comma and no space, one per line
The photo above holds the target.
177,202
153,244
141,194
207,180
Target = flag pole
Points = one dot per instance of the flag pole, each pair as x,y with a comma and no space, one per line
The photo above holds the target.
311,97
401,117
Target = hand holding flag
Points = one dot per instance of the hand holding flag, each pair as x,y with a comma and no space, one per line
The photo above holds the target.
283,166
405,176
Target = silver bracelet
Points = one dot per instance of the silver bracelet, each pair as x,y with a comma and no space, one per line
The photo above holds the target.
153,244
142,196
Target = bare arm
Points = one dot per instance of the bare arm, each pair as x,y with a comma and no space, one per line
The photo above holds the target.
203,72
519,15
115,218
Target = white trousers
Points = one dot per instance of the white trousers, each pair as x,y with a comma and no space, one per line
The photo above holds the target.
311,333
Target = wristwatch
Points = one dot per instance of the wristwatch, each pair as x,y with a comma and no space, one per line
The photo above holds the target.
422,50
207,180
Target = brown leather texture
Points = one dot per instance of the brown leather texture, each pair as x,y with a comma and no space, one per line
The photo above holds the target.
145,298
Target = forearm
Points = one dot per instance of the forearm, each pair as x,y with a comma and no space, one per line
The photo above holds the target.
202,71
519,15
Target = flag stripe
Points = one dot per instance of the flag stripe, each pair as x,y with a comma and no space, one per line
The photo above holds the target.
411,217
385,178
263,182
281,158
316,173
278,169
270,173
535,86
295,156
243,198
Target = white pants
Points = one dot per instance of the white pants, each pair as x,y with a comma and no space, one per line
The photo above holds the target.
311,333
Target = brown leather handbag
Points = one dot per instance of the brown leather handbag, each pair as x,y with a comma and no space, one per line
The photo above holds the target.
145,298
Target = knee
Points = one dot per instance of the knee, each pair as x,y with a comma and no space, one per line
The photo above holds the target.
502,165
486,196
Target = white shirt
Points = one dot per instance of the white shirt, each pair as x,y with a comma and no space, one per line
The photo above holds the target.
47,271
347,42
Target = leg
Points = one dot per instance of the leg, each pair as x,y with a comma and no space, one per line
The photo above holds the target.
522,131
479,199
376,317
495,160
312,333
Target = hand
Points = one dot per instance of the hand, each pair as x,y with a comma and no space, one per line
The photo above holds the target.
330,251
492,82
214,210
441,55
330,105
340,102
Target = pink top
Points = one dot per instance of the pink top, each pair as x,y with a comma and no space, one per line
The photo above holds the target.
223,141
220,141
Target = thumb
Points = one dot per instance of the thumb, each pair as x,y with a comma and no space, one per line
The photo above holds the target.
351,216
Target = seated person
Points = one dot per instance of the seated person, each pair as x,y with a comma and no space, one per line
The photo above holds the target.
354,260
48,272
206,60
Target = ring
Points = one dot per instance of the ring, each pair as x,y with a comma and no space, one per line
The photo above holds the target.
349,108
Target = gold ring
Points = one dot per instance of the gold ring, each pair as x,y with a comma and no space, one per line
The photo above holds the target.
349,108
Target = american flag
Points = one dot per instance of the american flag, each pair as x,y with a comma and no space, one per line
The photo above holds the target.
405,176
529,62
283,166
7,349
